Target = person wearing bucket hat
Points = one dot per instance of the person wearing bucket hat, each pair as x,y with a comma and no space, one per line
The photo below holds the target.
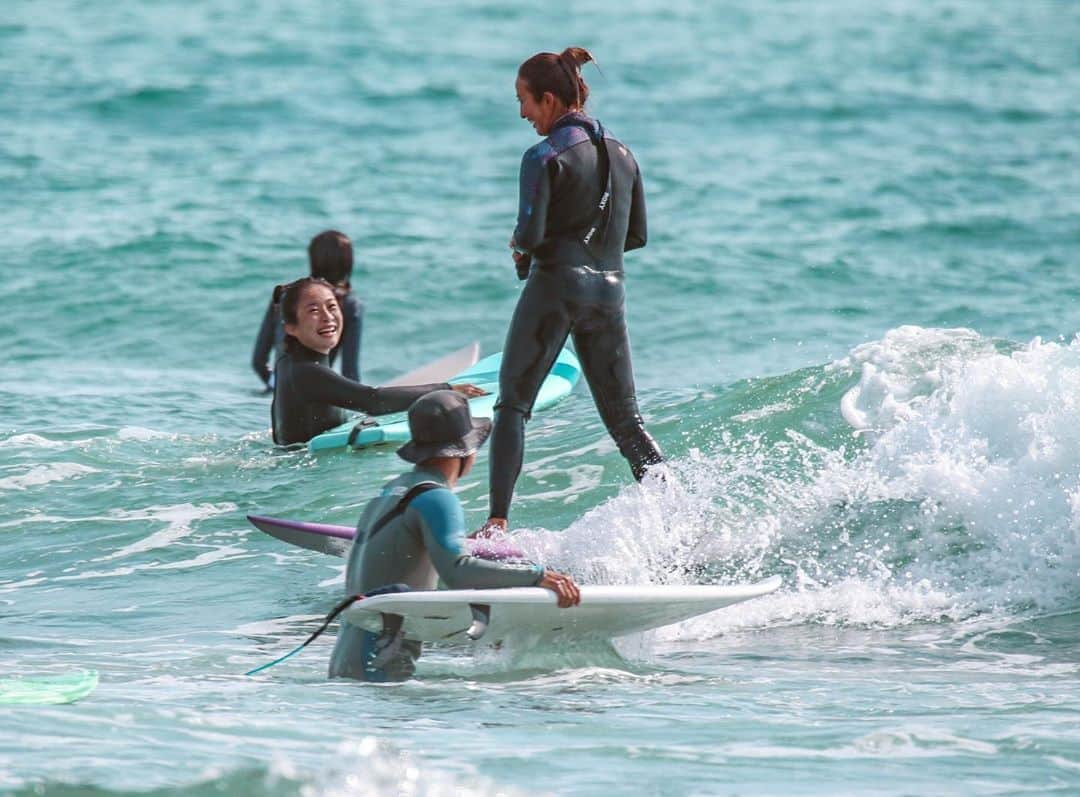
441,425
413,533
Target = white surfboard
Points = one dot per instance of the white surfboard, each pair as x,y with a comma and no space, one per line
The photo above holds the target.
492,615
441,369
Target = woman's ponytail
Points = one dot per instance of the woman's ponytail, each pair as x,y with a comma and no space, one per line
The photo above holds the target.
560,74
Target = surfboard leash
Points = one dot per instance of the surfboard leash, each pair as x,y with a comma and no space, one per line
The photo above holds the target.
345,604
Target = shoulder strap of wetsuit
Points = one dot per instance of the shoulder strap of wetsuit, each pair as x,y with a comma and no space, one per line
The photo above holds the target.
400,507
596,229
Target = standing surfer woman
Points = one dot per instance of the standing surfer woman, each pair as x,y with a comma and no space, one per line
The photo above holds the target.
581,206
309,397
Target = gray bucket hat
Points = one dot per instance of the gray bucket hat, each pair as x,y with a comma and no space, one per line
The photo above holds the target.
442,426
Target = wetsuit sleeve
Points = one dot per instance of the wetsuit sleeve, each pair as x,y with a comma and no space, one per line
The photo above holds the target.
534,194
264,343
443,525
317,383
353,310
636,232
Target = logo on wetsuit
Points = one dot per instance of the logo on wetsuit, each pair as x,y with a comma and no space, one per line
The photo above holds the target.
600,207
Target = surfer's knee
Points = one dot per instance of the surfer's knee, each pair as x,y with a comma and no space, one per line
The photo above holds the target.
512,411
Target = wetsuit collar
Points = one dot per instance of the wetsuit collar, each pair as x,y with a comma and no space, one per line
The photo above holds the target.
302,352
434,474
580,119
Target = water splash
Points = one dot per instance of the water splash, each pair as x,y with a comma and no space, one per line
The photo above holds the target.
958,494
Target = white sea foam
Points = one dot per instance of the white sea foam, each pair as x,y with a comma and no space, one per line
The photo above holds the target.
369,767
142,434
915,742
995,451
900,371
178,519
280,626
962,497
207,557
32,441
45,474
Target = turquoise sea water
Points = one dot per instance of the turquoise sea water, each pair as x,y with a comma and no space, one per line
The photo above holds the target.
853,331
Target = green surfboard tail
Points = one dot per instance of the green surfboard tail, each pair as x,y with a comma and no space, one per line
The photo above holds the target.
47,689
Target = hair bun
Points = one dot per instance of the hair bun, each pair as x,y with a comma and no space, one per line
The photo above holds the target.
559,74
577,56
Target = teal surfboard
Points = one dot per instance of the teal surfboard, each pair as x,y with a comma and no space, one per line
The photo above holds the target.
394,429
47,689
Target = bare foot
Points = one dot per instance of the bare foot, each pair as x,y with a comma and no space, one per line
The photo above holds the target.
494,527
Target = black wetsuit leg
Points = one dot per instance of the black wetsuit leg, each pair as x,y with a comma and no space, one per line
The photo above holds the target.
537,334
590,305
603,348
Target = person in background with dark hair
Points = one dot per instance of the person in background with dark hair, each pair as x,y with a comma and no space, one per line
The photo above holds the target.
581,206
309,397
330,256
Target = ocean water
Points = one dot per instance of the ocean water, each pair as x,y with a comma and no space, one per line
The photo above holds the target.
854,334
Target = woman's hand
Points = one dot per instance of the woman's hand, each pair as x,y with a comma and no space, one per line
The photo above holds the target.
567,592
522,260
469,391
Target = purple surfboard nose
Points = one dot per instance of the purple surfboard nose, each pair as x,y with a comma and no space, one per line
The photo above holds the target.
335,540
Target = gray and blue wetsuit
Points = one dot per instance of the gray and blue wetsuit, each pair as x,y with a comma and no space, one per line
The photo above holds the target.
417,548
581,206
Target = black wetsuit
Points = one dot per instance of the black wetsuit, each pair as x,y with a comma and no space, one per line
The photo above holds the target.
309,397
581,206
271,338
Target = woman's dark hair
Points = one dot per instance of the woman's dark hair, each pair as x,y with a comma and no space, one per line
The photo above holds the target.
331,257
287,297
560,74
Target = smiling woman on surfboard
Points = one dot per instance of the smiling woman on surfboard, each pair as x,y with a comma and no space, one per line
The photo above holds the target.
309,397
581,206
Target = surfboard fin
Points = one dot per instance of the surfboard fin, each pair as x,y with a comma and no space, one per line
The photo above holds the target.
481,616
